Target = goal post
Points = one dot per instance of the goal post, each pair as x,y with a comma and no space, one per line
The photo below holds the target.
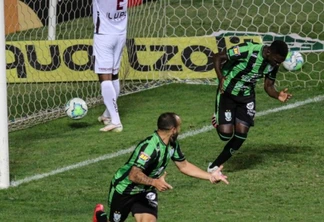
52,19
4,145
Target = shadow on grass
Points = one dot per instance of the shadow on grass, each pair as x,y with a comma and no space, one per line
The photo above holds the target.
79,125
248,157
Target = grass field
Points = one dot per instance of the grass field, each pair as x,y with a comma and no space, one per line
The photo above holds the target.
276,176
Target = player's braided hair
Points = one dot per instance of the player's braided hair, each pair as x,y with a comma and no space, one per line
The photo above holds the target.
166,121
279,47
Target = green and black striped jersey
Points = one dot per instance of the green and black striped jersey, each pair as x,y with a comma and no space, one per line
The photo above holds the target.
244,67
152,156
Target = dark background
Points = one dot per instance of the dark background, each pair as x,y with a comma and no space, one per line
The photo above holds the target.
66,9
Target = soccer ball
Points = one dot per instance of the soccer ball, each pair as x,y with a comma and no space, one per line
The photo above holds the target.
76,108
294,61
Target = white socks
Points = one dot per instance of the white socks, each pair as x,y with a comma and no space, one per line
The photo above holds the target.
110,95
116,85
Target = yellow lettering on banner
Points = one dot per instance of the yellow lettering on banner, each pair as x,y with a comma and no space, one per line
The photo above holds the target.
49,61
145,58
172,57
183,58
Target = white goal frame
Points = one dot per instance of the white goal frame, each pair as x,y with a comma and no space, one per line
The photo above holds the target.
4,144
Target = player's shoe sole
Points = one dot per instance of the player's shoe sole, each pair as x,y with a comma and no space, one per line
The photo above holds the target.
99,207
104,120
112,127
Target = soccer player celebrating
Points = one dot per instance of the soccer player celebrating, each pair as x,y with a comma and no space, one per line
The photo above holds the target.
238,69
110,23
134,186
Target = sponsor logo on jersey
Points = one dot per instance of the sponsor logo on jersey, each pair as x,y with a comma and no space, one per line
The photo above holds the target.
228,115
236,51
117,16
143,156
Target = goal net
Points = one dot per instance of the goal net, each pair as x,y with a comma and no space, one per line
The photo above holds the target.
49,47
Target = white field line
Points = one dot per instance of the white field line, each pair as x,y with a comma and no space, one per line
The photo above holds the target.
130,149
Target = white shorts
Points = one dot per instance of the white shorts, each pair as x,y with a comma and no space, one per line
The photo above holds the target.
108,50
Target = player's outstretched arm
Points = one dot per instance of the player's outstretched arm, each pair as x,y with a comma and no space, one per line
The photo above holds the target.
192,170
282,96
136,175
269,87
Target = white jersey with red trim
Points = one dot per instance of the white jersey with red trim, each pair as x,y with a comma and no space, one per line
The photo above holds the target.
109,16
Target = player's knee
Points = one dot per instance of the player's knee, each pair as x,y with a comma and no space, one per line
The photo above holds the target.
225,131
104,77
225,136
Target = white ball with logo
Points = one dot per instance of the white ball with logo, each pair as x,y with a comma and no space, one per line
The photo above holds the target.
294,61
76,108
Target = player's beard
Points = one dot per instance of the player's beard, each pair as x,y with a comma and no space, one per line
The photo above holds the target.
174,137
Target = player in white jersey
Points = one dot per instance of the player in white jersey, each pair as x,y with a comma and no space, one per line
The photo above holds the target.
110,27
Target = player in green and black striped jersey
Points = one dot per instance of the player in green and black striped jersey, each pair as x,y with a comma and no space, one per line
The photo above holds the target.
238,69
134,186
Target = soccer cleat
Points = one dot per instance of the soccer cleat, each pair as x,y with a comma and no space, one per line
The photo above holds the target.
112,127
214,121
210,170
99,207
104,120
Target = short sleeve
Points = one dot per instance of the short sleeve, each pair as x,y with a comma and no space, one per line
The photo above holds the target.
177,154
273,73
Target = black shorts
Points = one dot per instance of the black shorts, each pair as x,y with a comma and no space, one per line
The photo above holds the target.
121,205
230,109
